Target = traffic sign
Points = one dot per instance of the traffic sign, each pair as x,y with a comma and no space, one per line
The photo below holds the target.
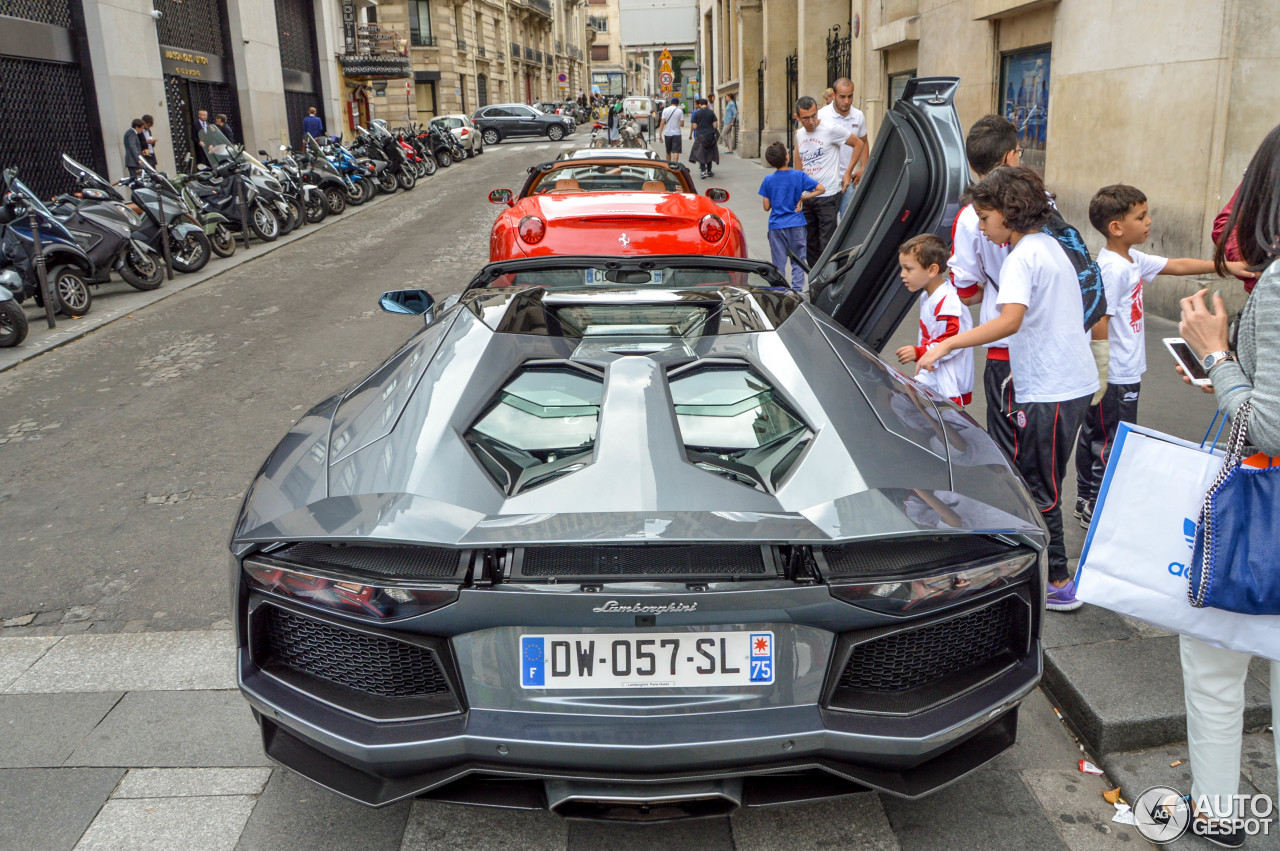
564,78
666,79
666,55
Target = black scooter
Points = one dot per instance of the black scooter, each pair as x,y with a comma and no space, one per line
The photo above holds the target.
68,267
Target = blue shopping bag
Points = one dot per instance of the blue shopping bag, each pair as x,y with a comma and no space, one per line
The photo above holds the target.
1235,564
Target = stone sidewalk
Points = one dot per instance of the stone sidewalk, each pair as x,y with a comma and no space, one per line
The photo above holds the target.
140,741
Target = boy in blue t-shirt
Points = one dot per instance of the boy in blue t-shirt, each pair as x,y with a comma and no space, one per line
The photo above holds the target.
783,192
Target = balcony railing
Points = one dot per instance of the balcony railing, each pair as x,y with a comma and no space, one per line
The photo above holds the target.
515,50
422,40
575,53
502,56
480,49
548,59
528,53
543,6
559,46
537,57
462,45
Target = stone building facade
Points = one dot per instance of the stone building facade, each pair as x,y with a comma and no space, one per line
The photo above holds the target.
75,73
1168,95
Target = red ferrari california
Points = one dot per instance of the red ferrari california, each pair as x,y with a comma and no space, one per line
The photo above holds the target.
612,204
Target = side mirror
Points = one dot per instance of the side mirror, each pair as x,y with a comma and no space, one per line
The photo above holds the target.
501,196
718,195
263,153
285,148
408,303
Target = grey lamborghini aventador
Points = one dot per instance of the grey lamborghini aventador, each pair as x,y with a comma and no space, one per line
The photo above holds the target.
649,537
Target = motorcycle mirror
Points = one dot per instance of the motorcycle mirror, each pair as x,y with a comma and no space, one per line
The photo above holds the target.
408,303
718,195
263,153
500,196
284,147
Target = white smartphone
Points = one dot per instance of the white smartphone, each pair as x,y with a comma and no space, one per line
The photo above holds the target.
1191,366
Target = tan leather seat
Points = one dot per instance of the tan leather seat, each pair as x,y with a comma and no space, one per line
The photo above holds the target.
567,184
653,186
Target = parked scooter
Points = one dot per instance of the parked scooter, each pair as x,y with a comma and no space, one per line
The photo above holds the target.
379,141
427,164
111,242
320,170
360,176
68,267
13,319
232,163
222,188
214,224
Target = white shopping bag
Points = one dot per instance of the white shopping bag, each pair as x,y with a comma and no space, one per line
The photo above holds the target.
1135,556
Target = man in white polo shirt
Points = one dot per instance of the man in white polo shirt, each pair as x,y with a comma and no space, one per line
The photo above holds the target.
843,113
818,145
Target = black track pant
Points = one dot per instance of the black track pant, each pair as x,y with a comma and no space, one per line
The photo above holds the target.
1098,434
1046,434
997,384
820,216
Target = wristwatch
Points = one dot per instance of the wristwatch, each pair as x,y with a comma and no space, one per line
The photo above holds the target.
1213,358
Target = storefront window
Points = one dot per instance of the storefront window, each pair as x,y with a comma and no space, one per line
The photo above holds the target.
1024,87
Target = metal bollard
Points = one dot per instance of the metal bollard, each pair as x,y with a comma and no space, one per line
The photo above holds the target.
42,274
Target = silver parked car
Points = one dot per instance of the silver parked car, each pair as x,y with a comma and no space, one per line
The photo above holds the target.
463,130
649,537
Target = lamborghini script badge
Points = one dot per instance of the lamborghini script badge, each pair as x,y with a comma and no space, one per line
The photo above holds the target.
623,239
614,607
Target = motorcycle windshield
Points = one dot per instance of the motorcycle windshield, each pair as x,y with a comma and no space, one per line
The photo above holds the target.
33,202
156,177
87,176
217,147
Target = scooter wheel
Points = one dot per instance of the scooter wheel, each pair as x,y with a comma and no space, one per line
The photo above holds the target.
13,324
223,241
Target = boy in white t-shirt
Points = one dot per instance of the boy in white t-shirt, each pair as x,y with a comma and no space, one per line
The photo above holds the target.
1042,315
1119,213
975,269
923,260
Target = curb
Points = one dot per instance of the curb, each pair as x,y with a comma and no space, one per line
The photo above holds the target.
137,300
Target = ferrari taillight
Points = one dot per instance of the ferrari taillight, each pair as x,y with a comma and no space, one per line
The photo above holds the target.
711,227
532,229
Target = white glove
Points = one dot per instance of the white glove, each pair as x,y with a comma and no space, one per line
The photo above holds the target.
1102,357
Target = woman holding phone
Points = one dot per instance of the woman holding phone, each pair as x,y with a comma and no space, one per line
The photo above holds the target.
1214,677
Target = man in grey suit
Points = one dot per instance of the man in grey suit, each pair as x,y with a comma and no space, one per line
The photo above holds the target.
134,145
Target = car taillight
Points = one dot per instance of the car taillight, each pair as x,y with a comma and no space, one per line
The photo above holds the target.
532,229
384,602
711,227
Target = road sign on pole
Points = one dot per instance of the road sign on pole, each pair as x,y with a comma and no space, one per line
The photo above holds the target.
666,79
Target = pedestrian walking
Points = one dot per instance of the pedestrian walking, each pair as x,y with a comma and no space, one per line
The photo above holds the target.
705,137
1042,315
672,121
1119,212
818,146
784,193
1214,677
312,125
134,145
923,262
975,270
730,123
221,121
149,141
828,95
842,113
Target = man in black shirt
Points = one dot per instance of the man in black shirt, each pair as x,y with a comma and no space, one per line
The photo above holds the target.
704,135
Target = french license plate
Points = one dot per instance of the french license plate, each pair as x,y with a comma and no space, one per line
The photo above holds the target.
647,660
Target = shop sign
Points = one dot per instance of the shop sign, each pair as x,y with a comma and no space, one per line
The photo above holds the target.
389,66
349,26
181,62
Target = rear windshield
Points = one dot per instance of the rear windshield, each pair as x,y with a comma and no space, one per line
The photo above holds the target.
607,177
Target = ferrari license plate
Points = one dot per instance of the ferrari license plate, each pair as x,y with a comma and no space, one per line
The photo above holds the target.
647,660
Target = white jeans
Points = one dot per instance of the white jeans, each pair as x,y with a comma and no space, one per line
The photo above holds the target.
1213,679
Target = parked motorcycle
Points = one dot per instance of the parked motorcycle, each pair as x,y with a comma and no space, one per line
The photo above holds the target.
67,265
233,164
359,176
110,238
221,189
379,139
215,225
320,170
13,319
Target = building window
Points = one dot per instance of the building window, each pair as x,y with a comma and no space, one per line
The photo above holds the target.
600,25
371,14
482,90
426,91
462,90
420,23
1024,100
599,53
898,82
